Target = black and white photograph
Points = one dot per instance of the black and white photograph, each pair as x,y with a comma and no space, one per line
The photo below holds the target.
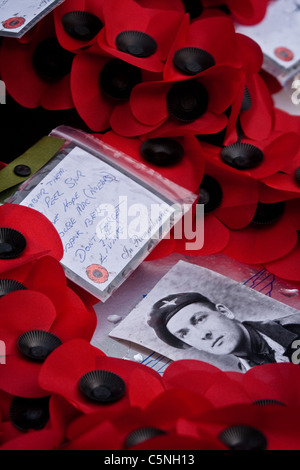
196,313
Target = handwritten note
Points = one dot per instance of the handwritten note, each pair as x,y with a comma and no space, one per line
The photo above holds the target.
17,16
105,219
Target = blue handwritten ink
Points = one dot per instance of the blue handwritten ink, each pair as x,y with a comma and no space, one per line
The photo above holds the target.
90,219
52,200
37,197
69,224
56,177
72,182
82,252
71,202
81,206
93,189
70,244
56,219
127,253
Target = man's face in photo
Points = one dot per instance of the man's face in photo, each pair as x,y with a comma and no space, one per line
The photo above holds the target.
206,329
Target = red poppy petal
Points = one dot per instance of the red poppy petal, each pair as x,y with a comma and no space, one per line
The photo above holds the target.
90,103
26,310
280,184
148,102
258,121
65,39
124,123
15,57
275,154
209,123
103,437
19,377
216,237
287,267
25,220
39,440
222,83
236,217
47,276
62,370
251,53
269,194
269,382
248,14
58,96
267,243
141,396
75,321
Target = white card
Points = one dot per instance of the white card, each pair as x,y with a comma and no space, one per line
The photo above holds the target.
107,221
18,16
277,35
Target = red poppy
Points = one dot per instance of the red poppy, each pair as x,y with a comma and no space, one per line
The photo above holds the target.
137,35
38,243
272,234
229,201
78,23
252,112
179,107
252,427
259,159
207,380
84,376
99,85
33,326
45,69
35,423
196,48
248,12
152,428
267,384
177,159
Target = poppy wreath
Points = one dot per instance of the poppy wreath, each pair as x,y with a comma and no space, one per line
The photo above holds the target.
175,87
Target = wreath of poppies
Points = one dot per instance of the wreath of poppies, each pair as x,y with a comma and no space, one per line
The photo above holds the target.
174,86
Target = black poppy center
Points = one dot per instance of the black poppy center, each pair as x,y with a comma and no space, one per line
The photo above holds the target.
38,344
242,437
12,243
242,156
193,7
187,100
81,25
118,78
101,392
247,101
50,61
9,285
136,43
210,194
162,151
102,386
141,435
268,401
268,213
191,60
29,413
